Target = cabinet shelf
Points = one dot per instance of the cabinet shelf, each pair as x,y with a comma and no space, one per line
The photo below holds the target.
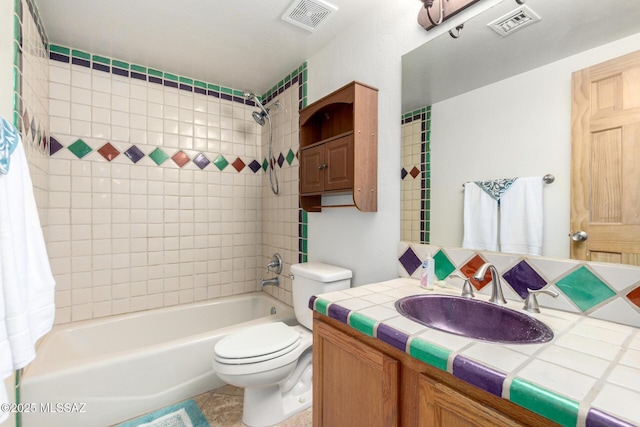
339,148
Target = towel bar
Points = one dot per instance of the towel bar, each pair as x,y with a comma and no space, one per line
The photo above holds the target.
548,179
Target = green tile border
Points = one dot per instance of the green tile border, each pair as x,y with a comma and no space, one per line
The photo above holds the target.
429,353
362,323
322,306
553,406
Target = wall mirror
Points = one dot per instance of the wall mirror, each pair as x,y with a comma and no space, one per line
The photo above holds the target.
488,106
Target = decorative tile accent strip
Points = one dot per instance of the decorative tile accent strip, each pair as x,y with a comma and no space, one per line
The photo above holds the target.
80,148
221,162
134,154
238,164
180,158
321,306
202,161
558,408
362,323
597,418
339,313
158,156
108,151
431,354
54,146
579,285
254,166
392,336
479,375
523,277
584,288
470,268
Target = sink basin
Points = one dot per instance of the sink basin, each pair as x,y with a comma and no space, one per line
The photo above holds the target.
474,319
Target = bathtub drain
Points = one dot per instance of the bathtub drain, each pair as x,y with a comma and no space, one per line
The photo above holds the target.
273,310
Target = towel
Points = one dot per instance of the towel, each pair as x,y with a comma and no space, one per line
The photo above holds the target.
26,283
521,217
8,140
480,219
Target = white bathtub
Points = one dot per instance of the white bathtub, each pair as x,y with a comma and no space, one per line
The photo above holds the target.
124,366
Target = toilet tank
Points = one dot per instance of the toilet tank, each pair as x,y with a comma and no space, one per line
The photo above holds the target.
314,278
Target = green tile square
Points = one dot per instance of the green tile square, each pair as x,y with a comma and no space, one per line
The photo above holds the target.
120,64
226,90
158,156
138,69
186,81
321,306
59,49
80,148
304,231
429,353
443,266
101,59
362,323
171,77
550,405
238,93
265,165
215,88
584,288
17,28
80,54
221,162
200,84
154,73
290,156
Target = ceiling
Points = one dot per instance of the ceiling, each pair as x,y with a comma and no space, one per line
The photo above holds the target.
242,44
446,67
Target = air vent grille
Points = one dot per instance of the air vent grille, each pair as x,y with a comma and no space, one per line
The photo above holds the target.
308,14
514,21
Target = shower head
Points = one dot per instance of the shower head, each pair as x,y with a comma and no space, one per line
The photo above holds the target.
259,117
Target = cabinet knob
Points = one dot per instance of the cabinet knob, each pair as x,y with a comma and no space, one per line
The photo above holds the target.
322,166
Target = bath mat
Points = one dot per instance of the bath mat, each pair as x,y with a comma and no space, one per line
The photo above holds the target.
183,414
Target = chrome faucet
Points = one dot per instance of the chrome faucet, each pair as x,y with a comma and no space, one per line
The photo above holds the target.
496,286
273,282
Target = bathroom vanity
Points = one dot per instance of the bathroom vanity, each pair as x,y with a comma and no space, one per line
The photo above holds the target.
359,380
375,367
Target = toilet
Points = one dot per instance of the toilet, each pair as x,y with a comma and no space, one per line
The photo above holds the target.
272,361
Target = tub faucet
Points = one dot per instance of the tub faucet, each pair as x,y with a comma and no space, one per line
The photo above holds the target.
496,286
267,282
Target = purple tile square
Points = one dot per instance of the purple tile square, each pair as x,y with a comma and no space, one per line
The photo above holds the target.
339,313
153,79
58,57
120,72
410,261
170,83
201,160
226,97
597,418
101,67
521,277
392,336
280,160
312,302
138,76
134,154
54,146
81,62
254,166
403,173
481,376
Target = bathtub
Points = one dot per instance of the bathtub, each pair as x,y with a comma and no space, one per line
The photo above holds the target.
113,369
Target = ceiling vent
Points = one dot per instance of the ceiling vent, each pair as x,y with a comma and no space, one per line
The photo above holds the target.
514,21
308,14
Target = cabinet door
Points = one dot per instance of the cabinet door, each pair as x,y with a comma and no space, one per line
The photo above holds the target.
339,160
353,384
441,406
311,170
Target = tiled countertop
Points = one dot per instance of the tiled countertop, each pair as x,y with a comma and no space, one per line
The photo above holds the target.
588,375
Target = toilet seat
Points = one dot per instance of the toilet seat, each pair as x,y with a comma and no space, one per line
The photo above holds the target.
257,344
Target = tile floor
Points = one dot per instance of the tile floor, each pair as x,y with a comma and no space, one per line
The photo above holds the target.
222,407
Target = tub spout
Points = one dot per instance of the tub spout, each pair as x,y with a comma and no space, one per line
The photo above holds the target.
270,282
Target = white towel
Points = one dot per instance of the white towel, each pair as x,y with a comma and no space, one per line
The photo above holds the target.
521,217
26,283
480,219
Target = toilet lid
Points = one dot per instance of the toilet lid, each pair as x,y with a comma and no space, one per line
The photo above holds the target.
257,341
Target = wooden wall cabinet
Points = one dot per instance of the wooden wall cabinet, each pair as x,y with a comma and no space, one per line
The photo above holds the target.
361,381
339,148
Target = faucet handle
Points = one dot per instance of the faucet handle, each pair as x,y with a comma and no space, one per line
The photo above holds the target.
467,289
531,302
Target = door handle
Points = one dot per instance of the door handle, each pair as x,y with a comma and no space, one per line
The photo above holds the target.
579,236
322,166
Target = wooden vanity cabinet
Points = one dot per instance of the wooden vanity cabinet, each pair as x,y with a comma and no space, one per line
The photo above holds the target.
339,148
361,381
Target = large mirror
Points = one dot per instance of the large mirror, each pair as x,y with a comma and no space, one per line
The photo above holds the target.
492,106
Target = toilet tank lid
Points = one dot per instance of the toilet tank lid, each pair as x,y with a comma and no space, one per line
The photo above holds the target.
320,272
